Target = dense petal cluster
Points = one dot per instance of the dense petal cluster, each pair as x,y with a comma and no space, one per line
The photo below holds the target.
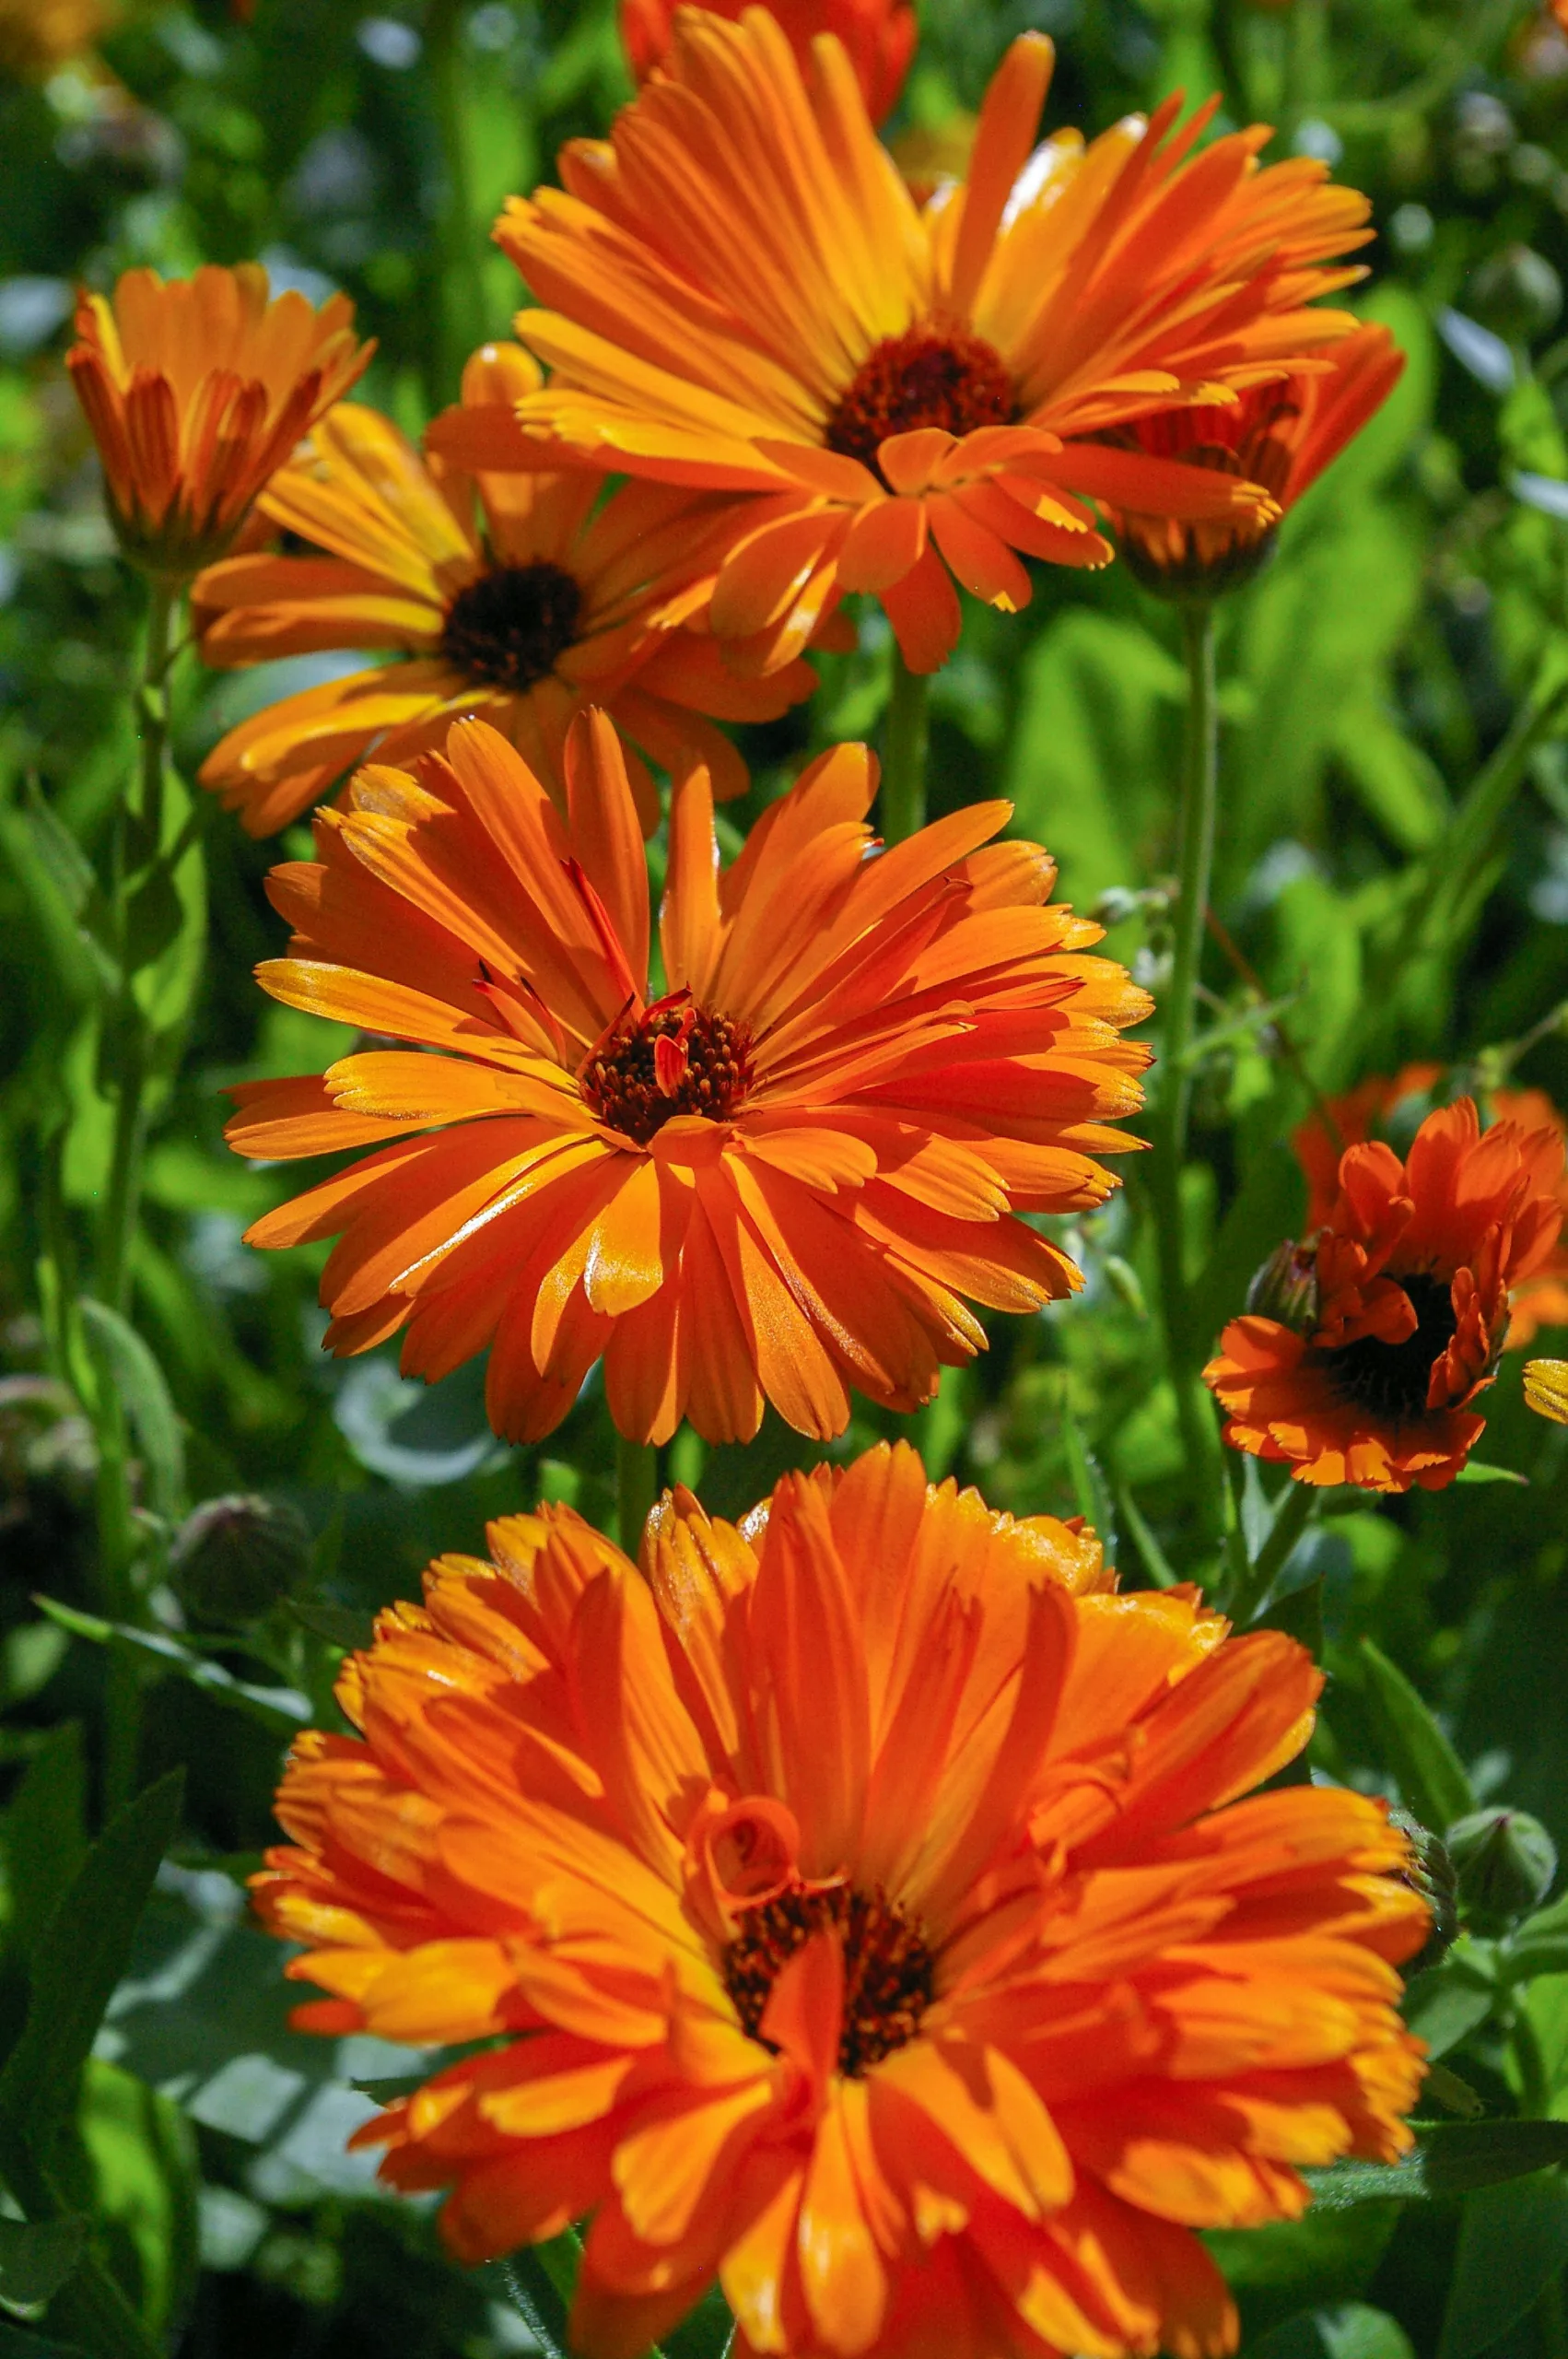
878,36
196,391
742,292
1280,435
514,597
1389,1107
782,1174
1397,1308
859,1905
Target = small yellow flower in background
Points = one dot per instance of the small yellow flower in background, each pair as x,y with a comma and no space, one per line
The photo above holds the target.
1546,1388
863,1906
38,35
196,391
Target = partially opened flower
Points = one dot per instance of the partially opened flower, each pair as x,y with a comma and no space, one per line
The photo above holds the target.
865,1906
742,293
780,1172
1389,1108
196,391
1363,1359
515,596
1280,435
879,37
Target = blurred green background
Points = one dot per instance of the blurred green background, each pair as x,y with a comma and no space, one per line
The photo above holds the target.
1417,604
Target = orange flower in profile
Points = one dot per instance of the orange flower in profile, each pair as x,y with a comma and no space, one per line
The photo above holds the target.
780,1174
196,391
516,597
879,37
1280,435
864,1906
744,294
1379,1107
1366,1346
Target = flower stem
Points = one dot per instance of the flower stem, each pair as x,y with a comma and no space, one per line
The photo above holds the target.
122,1204
1200,797
462,237
904,741
637,1486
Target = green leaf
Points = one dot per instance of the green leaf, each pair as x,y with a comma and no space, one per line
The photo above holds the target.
45,1833
1513,2243
347,1626
541,2280
78,1961
124,1362
1430,1774
1453,2159
1297,2264
1475,1470
1300,1614
15,2344
153,917
36,2258
142,2153
1442,2008
280,1709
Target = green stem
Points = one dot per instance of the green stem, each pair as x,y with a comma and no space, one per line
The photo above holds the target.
1535,2080
1195,857
903,812
117,1230
1292,1517
637,1486
462,237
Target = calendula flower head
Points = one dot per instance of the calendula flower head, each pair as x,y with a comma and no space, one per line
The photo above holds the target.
878,36
1403,1324
517,597
37,37
1280,435
1546,1388
781,1171
196,391
863,1906
742,292
1390,1108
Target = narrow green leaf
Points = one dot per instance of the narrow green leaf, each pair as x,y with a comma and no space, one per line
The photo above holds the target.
66,865
124,1362
1474,1470
36,2258
45,1833
77,1963
1300,1614
1513,2243
1430,1774
1453,2159
279,1708
340,1625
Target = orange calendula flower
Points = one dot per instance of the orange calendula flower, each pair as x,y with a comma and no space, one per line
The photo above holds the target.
781,1173
1367,1345
1380,1108
1280,435
865,1906
743,293
196,391
879,37
517,597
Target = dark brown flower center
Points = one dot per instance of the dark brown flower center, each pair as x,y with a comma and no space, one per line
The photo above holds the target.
509,626
673,1059
926,377
888,1970
1389,1380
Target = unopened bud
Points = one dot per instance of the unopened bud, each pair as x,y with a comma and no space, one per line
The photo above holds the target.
1430,1874
1505,1861
233,1558
1286,1287
1518,293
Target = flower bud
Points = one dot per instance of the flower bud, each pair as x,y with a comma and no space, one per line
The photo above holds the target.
1430,1874
1504,1860
233,1558
1286,1287
1518,293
